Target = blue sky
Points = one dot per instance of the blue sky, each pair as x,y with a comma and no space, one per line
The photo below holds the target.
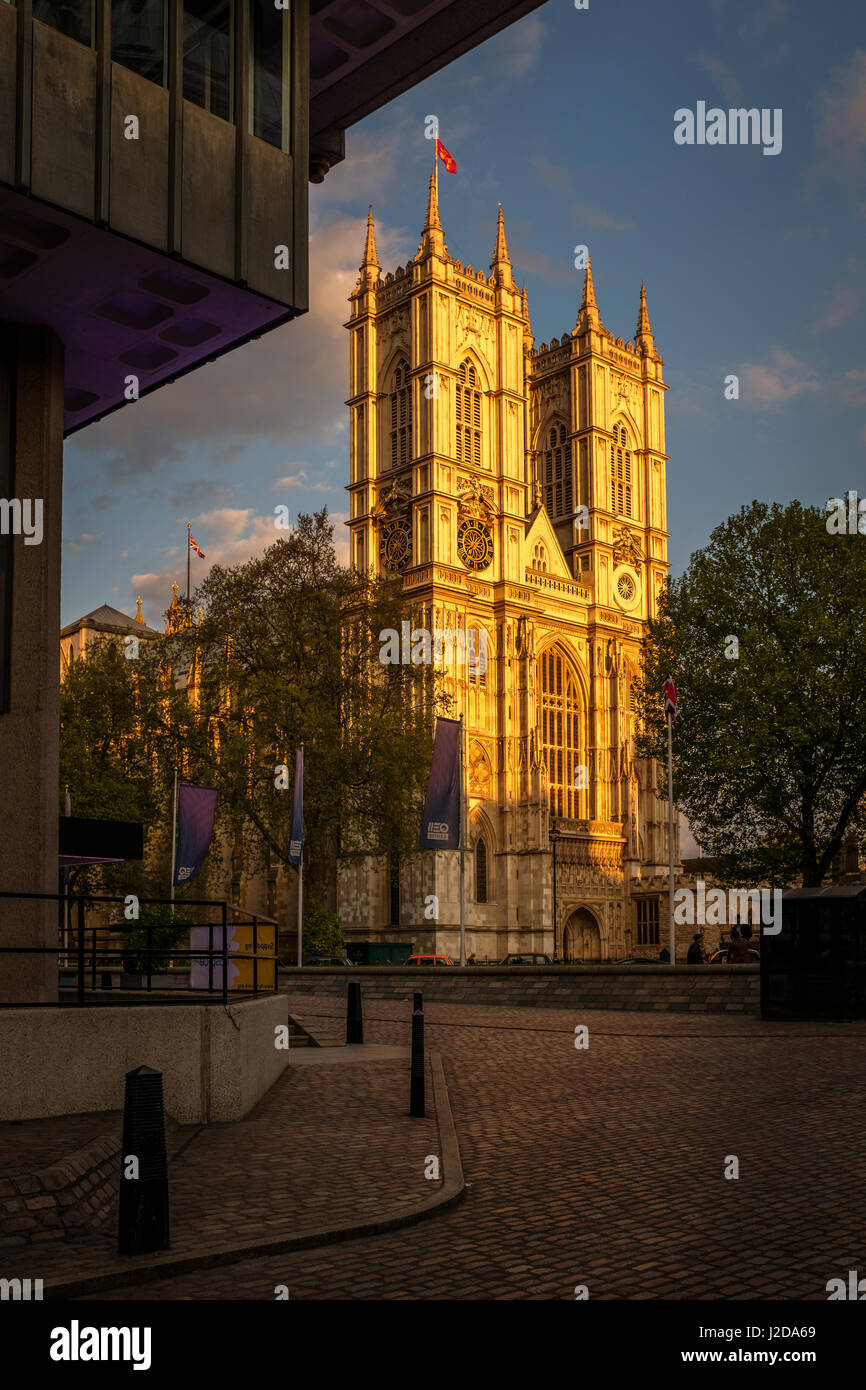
754,265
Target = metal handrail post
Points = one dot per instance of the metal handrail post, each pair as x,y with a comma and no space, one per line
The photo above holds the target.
80,951
225,955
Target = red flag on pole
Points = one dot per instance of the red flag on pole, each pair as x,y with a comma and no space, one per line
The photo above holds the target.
447,159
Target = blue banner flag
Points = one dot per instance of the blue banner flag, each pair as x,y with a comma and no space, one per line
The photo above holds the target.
296,838
195,813
440,825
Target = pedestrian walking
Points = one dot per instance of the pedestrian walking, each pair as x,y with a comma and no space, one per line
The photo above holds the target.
739,949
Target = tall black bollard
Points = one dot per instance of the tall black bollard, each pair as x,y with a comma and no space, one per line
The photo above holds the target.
416,1085
354,1017
143,1224
418,1002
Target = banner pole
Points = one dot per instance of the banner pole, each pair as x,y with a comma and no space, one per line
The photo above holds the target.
173,839
301,892
673,940
462,855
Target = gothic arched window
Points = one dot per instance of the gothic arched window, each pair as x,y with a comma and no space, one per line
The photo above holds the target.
558,491
620,473
468,416
560,731
481,871
401,416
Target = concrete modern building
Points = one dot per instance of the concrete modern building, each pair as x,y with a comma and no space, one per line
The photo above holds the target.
520,491
154,162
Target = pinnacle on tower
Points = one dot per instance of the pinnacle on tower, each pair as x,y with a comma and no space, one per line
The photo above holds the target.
370,264
501,263
643,338
588,312
432,237
138,616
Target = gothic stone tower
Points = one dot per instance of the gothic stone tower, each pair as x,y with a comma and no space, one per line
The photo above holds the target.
521,494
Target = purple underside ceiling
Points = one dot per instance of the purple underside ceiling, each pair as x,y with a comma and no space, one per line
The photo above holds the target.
120,309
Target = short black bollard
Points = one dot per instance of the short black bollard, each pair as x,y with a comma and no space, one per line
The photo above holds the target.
418,1002
143,1224
354,1017
416,1086
106,979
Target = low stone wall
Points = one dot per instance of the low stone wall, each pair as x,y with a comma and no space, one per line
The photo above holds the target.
680,988
67,1199
216,1063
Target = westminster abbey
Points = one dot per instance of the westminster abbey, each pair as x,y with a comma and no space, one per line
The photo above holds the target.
520,492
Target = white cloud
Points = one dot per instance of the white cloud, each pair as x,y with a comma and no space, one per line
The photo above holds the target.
229,536
774,383
724,77
842,306
83,541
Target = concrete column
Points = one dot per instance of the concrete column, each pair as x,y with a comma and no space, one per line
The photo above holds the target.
31,460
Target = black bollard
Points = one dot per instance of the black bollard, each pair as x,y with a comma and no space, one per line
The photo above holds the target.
354,1017
106,979
418,1002
143,1224
416,1085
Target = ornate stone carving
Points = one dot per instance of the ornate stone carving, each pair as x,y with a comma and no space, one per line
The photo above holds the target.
626,549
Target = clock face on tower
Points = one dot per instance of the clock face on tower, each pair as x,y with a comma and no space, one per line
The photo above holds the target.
474,544
395,547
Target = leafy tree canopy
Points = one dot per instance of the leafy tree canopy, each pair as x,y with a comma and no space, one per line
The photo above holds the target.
770,744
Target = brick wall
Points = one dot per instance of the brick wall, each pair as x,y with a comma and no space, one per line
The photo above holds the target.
688,989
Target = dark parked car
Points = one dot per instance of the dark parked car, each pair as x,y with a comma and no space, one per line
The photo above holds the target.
641,960
527,958
327,960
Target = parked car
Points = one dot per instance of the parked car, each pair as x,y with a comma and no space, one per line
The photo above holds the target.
723,956
527,958
641,960
327,960
429,960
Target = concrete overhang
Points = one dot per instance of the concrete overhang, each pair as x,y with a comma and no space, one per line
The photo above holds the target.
363,53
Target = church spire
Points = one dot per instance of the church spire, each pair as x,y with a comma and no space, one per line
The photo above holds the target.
501,263
432,237
370,264
643,338
587,314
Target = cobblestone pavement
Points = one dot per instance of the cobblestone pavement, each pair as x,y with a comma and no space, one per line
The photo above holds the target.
605,1166
326,1144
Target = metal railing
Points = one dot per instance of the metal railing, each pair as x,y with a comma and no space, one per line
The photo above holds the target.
87,962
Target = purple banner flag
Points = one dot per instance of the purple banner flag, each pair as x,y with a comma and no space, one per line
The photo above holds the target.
296,835
440,824
195,813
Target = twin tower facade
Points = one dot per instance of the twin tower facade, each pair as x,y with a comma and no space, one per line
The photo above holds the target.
520,493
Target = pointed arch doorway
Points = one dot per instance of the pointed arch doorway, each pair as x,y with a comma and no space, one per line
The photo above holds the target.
581,937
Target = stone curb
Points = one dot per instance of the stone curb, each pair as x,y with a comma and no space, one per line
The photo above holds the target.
125,1273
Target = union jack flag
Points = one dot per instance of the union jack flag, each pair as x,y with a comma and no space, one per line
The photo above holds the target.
194,545
670,695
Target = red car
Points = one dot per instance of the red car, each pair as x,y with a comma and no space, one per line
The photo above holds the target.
429,960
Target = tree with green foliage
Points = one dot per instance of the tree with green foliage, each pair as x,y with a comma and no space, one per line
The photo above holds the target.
287,652
322,933
765,637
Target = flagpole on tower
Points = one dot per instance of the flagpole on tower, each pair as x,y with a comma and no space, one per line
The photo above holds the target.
188,548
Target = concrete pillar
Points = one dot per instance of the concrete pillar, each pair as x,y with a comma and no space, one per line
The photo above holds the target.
31,466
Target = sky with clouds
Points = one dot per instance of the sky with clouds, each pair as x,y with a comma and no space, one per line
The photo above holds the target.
755,265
